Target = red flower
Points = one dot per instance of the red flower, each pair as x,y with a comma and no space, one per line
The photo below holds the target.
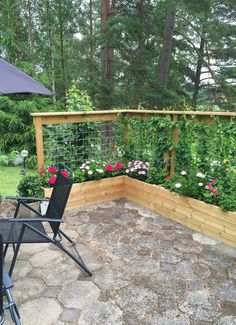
52,170
214,192
65,174
118,166
169,176
52,180
42,171
109,168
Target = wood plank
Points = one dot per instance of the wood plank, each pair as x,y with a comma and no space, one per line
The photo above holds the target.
39,142
175,136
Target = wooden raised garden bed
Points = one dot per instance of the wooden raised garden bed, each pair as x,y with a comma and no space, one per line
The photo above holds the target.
205,218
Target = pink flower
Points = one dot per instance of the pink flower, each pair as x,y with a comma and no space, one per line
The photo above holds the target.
65,174
52,170
42,171
109,168
118,166
214,180
208,186
52,180
214,192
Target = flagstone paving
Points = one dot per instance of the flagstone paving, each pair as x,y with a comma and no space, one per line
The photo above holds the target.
147,270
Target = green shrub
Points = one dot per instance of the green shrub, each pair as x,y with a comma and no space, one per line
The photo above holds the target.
4,160
30,186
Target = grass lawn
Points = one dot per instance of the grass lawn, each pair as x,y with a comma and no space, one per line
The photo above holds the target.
9,179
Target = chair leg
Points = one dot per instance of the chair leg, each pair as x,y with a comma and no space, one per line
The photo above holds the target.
12,308
77,260
5,250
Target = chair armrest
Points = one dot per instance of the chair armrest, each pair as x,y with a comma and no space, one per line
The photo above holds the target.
35,219
26,198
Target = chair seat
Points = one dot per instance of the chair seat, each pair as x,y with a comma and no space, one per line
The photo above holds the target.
11,230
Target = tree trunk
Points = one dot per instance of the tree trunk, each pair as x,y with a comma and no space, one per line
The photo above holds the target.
198,72
51,51
61,33
106,52
141,44
31,41
91,51
167,43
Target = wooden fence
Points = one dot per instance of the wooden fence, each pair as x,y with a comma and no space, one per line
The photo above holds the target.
41,119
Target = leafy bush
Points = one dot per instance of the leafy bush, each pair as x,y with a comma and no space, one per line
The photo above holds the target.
205,187
30,186
78,100
4,160
16,125
156,176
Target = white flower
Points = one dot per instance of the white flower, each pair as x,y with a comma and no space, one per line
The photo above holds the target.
183,173
147,164
127,171
99,171
215,163
132,169
87,167
143,172
129,164
200,175
87,162
200,184
178,185
90,172
140,172
92,160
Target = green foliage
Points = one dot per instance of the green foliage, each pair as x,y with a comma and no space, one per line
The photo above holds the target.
218,190
4,160
63,42
78,100
16,125
30,186
156,175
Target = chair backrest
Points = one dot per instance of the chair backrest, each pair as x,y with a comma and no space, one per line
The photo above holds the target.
1,281
57,203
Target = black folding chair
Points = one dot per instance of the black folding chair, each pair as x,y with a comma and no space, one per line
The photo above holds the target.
20,230
6,285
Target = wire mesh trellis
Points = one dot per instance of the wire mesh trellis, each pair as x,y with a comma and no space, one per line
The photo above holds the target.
72,144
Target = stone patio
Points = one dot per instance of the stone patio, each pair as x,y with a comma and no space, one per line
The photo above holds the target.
147,270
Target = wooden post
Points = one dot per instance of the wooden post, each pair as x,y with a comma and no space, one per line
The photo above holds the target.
127,134
173,151
166,159
39,141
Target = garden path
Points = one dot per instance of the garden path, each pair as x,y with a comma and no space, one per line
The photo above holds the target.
147,270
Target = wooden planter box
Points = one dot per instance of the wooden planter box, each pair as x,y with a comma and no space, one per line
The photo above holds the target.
205,218
92,192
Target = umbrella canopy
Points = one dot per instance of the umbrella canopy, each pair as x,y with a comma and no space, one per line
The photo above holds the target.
15,81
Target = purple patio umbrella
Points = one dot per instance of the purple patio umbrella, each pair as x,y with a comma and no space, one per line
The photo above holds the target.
15,81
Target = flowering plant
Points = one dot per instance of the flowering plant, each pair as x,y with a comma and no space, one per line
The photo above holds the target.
94,170
48,176
195,184
137,169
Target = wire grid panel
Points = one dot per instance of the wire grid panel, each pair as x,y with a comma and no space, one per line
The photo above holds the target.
72,144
